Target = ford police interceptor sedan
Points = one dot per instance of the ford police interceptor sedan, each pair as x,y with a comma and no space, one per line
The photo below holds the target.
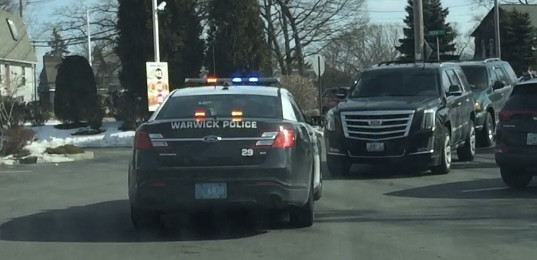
214,146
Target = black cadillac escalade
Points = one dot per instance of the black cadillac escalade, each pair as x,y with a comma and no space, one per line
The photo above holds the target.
411,114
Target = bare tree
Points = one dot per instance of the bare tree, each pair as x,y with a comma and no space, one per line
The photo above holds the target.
8,5
358,49
298,28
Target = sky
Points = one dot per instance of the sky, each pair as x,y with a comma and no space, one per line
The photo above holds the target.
462,13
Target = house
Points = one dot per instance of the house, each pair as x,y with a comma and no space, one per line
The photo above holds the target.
484,33
17,59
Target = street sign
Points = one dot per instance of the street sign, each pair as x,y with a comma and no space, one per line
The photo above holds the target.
157,84
317,62
436,32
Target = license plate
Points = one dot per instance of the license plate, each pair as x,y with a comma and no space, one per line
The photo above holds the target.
212,191
375,147
531,139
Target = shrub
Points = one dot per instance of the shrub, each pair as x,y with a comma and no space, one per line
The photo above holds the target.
37,114
16,139
303,90
64,149
13,113
76,91
95,120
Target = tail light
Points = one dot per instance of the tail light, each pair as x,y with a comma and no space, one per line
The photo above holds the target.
142,141
284,139
506,115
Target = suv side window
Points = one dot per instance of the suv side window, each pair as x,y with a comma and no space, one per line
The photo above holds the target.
501,74
454,79
445,81
462,77
510,72
493,76
287,109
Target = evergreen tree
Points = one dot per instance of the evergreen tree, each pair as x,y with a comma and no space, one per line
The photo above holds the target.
181,43
518,41
237,36
434,18
75,98
57,44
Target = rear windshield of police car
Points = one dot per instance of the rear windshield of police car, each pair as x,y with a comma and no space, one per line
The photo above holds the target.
523,97
222,106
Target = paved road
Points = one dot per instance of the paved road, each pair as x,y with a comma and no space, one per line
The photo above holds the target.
80,211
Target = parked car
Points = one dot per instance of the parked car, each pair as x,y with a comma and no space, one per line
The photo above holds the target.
332,96
516,136
403,114
491,82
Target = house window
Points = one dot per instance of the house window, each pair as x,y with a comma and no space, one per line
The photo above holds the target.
23,75
13,29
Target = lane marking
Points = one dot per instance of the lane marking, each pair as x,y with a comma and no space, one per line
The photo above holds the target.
485,189
8,171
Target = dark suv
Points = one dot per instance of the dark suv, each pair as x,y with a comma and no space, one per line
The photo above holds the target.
516,136
412,114
491,82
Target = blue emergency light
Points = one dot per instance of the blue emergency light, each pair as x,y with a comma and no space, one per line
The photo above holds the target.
253,79
236,80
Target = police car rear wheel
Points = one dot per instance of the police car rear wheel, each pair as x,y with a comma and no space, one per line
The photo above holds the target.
142,219
303,216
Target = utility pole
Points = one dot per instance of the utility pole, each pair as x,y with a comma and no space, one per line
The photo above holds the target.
89,36
419,38
497,42
156,42
21,7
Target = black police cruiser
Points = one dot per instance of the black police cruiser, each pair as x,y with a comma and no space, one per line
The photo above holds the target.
410,114
228,144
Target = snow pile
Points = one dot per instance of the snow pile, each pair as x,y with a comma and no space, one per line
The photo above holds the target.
47,136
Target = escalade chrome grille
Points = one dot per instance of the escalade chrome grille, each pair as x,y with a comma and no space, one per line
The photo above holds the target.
377,125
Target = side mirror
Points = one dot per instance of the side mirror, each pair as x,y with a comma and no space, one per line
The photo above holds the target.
316,120
498,85
454,90
341,93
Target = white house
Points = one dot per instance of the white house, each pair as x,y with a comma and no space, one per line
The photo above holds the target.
17,59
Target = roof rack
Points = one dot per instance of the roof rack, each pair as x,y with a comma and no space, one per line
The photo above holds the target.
492,59
386,63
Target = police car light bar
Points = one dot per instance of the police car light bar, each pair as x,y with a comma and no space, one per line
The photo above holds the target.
236,80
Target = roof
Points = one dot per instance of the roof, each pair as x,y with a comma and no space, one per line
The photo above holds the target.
18,48
231,90
531,9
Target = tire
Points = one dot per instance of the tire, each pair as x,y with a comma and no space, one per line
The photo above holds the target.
143,219
467,151
444,165
303,216
486,139
515,178
338,167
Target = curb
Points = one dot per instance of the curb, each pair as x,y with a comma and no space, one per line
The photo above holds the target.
81,156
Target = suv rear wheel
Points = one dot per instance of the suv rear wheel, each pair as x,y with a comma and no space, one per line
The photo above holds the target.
445,158
467,151
486,138
515,178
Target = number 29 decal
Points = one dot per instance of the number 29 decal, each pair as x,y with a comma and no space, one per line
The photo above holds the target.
247,152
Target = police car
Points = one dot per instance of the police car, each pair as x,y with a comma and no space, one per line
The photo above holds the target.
224,145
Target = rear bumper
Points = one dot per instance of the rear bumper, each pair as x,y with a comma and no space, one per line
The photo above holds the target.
516,157
168,190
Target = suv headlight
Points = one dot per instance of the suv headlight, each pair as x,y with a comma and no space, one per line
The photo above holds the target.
330,122
429,119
